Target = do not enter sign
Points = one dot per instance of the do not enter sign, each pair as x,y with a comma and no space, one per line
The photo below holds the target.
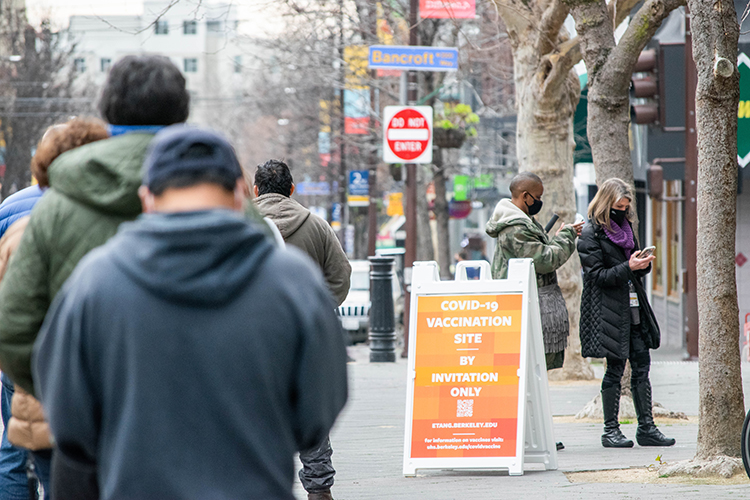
407,134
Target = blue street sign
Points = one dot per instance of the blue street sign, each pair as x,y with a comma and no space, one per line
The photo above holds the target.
312,188
413,58
358,183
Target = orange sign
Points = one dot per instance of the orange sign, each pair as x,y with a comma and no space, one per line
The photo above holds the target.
467,359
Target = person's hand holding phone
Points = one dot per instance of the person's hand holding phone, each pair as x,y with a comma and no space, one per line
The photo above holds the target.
637,263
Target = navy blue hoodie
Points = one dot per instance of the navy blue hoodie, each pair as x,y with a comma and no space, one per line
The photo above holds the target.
190,358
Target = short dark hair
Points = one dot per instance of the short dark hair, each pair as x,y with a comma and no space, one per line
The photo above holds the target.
190,179
144,90
274,177
523,182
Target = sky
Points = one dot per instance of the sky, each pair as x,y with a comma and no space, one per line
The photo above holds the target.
60,10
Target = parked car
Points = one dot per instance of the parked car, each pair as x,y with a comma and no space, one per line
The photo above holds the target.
355,311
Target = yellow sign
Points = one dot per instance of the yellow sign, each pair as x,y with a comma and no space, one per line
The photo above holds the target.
357,72
395,204
324,116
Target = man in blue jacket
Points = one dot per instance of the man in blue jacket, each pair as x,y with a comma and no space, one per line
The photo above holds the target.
189,357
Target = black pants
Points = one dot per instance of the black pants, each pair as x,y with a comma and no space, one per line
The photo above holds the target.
640,362
317,469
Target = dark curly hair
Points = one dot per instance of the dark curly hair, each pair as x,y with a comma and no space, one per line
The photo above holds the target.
144,90
274,177
64,137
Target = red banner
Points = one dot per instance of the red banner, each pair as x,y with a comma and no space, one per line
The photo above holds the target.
447,9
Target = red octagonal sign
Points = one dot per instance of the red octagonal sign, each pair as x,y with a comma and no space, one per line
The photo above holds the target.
408,134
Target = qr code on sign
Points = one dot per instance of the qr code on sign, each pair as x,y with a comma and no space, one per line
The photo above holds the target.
465,408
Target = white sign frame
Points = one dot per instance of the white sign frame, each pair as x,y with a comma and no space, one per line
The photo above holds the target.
535,441
388,113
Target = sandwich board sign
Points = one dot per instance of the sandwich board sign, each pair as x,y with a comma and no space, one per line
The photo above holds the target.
477,393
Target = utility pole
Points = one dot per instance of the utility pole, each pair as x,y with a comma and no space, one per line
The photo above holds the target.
410,253
372,208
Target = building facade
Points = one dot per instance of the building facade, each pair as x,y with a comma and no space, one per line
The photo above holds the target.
199,37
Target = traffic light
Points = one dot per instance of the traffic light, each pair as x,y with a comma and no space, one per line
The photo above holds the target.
644,90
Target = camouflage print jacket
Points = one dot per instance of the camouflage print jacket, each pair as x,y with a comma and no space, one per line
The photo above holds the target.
520,236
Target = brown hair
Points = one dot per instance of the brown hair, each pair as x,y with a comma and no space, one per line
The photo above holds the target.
61,138
608,194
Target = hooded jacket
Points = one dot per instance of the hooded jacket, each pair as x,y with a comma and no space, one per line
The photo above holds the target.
92,190
190,358
311,234
520,236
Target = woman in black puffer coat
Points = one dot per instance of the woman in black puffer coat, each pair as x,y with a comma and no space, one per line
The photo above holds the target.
616,319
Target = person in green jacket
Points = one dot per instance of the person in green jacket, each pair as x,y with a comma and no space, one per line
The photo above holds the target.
93,189
520,236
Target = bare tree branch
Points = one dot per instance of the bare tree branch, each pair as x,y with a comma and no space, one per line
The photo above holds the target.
640,30
619,10
158,17
517,16
549,28
561,62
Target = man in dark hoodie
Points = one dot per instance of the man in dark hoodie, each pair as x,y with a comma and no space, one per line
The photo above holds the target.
300,228
189,357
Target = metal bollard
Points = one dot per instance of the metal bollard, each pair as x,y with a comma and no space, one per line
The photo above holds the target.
382,321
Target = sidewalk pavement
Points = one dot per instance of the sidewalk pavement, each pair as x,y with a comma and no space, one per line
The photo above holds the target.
368,443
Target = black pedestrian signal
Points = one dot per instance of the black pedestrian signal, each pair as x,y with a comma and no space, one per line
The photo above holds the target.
644,90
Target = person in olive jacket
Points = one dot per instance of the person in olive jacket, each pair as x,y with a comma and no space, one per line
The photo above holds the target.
616,319
93,189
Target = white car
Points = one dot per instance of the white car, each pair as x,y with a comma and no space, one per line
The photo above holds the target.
355,311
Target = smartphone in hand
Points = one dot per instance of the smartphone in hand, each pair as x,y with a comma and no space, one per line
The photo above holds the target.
646,252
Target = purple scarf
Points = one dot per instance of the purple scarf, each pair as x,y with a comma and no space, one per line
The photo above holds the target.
622,236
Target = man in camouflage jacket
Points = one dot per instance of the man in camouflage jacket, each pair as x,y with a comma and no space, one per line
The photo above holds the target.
519,236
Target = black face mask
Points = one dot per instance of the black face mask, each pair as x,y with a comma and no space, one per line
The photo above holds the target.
535,207
618,216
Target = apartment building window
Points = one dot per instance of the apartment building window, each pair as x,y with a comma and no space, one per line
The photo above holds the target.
79,64
190,27
161,27
238,64
105,63
190,65
213,26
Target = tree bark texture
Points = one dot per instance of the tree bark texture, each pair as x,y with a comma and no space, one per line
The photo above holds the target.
442,216
610,67
715,33
547,92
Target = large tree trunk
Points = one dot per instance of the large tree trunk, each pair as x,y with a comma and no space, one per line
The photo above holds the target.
545,147
715,35
442,216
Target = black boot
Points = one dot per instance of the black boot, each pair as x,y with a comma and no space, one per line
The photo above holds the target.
613,437
647,433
